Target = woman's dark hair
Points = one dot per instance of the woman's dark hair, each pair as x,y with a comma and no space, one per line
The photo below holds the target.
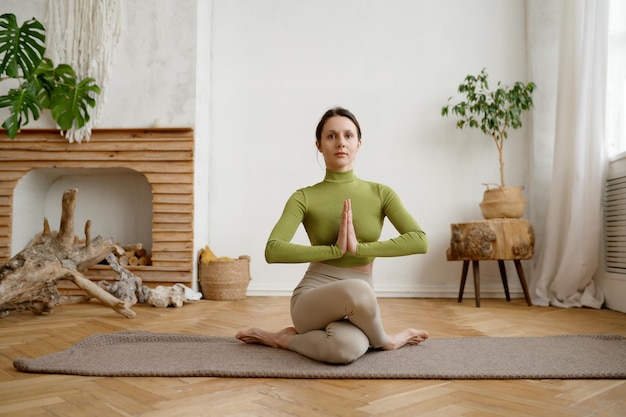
337,111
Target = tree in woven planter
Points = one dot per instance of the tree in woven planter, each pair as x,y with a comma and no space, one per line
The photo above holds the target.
40,85
494,112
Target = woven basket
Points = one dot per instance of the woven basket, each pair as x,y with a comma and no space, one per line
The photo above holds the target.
225,280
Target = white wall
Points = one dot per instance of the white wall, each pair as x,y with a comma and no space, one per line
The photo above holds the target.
153,76
253,77
278,65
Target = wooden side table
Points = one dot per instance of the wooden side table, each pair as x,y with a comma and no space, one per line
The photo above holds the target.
492,240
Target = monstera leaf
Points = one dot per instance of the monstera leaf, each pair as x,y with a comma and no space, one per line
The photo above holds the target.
70,101
22,103
22,47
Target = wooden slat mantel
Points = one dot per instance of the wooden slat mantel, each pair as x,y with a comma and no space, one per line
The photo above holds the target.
163,156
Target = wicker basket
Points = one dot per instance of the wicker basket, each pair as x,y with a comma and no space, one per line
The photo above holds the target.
225,280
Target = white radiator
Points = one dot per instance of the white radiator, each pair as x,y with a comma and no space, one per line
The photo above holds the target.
611,276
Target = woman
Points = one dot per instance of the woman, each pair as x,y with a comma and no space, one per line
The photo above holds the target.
334,308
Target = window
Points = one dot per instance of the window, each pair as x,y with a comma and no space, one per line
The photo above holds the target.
616,80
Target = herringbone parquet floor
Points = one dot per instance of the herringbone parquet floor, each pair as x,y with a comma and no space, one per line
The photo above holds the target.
23,334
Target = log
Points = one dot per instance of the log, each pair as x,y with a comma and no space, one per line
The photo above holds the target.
135,255
494,239
132,248
28,281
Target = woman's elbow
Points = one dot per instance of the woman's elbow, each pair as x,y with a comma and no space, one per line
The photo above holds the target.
422,242
270,252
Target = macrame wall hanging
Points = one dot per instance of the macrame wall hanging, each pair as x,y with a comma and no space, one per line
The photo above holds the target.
84,34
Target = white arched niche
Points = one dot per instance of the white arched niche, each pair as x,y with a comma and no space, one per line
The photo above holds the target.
118,201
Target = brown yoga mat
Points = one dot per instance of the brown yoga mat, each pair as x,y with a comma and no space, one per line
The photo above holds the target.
142,353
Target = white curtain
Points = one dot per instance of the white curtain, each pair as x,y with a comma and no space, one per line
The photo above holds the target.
563,275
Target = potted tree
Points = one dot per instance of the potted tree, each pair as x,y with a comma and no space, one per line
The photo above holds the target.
494,112
37,83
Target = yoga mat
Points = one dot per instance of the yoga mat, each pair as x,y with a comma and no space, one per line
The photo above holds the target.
142,353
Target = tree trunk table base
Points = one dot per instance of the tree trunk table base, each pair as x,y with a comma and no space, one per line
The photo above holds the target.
494,239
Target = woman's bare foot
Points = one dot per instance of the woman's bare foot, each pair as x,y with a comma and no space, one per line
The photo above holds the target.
279,339
406,337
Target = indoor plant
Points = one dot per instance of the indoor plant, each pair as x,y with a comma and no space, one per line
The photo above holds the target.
39,84
494,112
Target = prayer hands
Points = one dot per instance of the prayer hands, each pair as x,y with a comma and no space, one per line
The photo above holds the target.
346,240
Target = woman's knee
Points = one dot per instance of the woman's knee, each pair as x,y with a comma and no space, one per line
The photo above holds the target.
361,297
348,343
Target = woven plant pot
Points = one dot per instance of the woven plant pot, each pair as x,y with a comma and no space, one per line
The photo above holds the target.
503,202
225,280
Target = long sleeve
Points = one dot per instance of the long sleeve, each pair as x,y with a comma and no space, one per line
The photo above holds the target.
279,248
319,209
412,239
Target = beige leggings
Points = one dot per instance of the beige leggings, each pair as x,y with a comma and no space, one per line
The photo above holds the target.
336,314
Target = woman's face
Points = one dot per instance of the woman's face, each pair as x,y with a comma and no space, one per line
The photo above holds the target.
339,144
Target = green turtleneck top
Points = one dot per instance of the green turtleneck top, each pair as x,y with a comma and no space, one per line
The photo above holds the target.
319,209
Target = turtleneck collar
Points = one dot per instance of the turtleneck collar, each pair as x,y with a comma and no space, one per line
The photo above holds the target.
333,176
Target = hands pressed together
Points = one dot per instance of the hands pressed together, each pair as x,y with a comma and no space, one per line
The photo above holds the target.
346,240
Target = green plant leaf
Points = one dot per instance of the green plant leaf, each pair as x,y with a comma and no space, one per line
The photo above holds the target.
45,77
22,103
71,100
21,47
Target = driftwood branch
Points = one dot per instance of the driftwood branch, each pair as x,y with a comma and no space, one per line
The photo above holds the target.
128,288
28,281
95,291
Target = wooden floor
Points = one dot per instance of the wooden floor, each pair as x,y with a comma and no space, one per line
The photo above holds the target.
23,334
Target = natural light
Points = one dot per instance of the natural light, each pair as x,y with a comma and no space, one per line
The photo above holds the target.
616,80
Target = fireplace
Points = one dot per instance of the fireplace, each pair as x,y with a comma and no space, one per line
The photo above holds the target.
163,158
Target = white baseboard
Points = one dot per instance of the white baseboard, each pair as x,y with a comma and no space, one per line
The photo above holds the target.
419,292
614,288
